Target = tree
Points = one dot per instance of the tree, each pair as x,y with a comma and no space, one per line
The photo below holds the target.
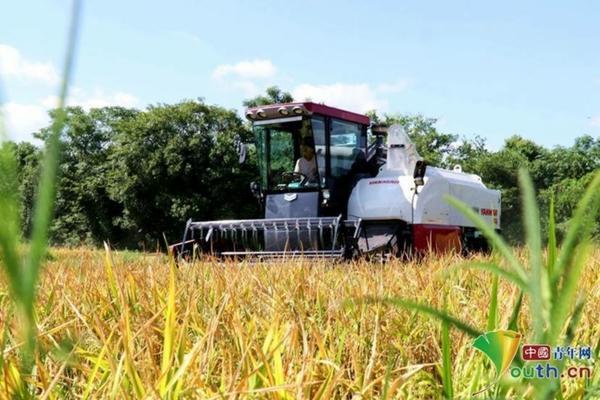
562,172
28,163
129,176
85,213
174,162
571,162
468,153
274,95
431,144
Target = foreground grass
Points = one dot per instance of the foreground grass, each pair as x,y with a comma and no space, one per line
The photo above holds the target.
259,330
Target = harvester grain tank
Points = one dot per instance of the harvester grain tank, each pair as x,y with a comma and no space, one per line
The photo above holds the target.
333,185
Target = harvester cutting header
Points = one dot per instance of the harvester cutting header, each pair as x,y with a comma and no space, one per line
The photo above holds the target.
333,185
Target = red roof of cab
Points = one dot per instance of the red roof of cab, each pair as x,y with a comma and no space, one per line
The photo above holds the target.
322,109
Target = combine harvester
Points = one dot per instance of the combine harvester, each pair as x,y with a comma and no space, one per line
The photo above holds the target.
332,185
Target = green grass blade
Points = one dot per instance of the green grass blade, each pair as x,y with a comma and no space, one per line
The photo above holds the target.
514,317
493,309
387,379
488,231
9,219
170,331
579,228
568,292
475,380
551,388
423,309
574,322
552,251
446,362
9,212
538,284
3,345
44,205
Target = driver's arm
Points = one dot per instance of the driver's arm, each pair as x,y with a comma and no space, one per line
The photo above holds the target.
297,167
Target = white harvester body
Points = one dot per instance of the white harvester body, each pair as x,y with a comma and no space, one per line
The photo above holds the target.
395,195
354,195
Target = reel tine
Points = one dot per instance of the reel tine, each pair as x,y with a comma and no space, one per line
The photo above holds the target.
255,235
322,243
234,236
287,236
309,232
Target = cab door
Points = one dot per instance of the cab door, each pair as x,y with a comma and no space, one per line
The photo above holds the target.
346,160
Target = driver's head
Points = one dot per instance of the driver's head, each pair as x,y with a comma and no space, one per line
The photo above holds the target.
307,148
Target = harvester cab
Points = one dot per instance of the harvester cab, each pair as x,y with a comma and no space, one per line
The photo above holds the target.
309,154
331,185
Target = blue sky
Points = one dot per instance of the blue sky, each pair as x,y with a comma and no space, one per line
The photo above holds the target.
531,69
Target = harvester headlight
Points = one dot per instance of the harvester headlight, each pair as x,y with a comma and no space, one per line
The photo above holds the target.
250,115
261,113
283,111
297,110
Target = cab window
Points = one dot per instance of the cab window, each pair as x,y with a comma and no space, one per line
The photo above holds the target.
280,147
318,128
345,147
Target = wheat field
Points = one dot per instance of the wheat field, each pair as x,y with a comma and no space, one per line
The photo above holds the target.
131,325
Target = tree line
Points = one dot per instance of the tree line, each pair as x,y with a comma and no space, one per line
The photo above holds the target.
134,177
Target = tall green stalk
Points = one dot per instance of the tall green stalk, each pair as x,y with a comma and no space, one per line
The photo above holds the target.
551,287
23,272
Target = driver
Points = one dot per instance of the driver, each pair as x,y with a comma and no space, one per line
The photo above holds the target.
307,164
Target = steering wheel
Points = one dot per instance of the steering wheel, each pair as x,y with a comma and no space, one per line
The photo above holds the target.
293,177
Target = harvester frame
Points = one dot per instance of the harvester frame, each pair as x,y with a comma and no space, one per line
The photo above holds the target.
359,194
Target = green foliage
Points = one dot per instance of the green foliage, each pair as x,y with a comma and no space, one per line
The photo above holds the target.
27,159
85,211
564,172
567,194
131,176
273,95
468,153
173,162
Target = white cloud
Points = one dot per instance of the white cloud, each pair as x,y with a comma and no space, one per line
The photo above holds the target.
249,77
14,65
22,120
253,77
595,121
254,69
96,99
352,97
